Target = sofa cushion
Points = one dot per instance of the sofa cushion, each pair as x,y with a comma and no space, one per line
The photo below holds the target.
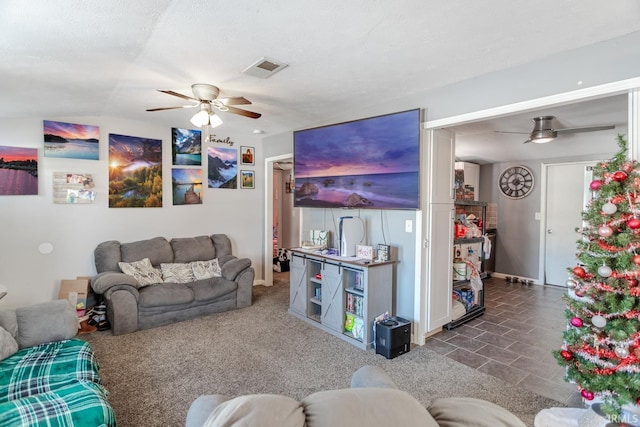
177,272
206,269
265,410
222,244
369,406
187,249
8,321
107,256
46,322
466,411
8,344
158,250
142,271
212,288
166,294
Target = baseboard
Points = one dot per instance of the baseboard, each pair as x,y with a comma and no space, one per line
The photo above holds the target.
520,279
260,282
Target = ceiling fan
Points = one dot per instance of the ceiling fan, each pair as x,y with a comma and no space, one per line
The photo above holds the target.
543,130
205,96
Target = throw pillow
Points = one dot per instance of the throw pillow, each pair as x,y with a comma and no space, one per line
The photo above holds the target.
8,344
142,271
46,322
177,272
206,269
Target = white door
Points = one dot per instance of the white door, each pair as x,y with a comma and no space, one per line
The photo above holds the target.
566,186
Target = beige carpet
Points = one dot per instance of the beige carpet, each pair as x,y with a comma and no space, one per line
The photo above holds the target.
154,375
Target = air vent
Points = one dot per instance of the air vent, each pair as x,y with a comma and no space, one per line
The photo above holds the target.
264,68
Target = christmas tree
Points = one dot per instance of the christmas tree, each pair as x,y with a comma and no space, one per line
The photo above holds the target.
601,349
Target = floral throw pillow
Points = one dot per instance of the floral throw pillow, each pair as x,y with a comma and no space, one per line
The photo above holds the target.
206,269
142,271
177,272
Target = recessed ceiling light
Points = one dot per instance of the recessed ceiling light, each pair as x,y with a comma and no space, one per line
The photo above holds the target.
258,131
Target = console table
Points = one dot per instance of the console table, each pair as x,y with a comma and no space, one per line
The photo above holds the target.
341,296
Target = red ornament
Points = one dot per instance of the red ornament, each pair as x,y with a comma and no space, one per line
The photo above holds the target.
636,259
633,223
619,176
638,401
595,185
632,283
579,271
577,322
566,355
617,199
587,394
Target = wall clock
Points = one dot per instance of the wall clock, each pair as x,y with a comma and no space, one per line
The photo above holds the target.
516,182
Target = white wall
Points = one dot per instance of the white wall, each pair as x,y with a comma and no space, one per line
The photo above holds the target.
518,243
75,230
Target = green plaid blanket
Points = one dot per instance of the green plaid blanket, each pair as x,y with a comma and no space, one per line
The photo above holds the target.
54,384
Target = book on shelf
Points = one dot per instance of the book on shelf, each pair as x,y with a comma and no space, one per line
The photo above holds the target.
354,304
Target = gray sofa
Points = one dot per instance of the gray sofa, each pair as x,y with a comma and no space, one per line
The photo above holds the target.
134,305
372,401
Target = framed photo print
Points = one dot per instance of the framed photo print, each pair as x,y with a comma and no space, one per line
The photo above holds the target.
247,155
247,179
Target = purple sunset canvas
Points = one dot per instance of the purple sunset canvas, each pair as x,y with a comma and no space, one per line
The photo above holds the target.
18,171
371,163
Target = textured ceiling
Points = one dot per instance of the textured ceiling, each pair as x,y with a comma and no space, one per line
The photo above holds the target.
75,57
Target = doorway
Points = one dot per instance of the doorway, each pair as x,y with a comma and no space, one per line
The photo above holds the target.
282,221
564,198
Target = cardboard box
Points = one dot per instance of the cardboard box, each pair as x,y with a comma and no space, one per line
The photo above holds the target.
78,291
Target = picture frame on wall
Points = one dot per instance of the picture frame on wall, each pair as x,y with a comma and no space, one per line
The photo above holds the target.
247,156
247,179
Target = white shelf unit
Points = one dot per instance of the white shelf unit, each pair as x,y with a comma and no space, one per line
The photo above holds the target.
324,289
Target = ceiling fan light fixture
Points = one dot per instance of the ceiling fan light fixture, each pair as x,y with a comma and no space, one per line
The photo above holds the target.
201,118
285,166
543,136
214,120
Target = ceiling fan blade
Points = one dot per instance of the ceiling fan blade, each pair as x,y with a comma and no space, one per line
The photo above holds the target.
235,100
179,95
172,108
585,129
504,131
245,113
527,141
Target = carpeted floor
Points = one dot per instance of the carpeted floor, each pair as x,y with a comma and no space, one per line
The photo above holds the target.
154,375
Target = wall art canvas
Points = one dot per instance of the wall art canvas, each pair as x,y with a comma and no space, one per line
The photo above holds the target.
71,140
135,172
73,188
186,147
187,186
222,167
248,179
247,155
18,171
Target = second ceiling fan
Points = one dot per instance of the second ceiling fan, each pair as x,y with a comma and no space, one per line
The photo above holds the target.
543,130
206,97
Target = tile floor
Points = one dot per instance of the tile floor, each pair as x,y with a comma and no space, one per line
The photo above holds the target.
513,340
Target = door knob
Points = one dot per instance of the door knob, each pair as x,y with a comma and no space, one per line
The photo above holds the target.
549,231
